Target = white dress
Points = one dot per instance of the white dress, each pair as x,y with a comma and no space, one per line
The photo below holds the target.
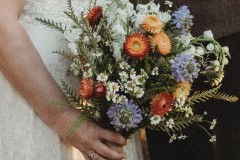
23,136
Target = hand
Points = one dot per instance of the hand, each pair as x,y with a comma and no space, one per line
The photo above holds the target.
88,137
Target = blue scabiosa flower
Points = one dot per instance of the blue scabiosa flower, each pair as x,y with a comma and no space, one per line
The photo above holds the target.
182,19
184,68
124,116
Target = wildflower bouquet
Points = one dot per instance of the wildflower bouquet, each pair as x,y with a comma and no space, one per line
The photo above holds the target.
140,68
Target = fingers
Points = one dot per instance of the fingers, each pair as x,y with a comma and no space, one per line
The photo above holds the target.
105,151
96,156
113,137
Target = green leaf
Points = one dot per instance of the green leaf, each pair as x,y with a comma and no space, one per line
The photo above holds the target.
76,124
72,97
52,24
226,97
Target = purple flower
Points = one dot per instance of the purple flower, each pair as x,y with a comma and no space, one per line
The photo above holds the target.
184,67
124,116
182,19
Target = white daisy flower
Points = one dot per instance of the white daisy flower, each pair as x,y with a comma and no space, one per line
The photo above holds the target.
213,124
133,74
124,76
155,71
138,80
121,99
139,92
113,87
111,96
170,123
156,119
124,65
102,77
173,138
213,138
129,86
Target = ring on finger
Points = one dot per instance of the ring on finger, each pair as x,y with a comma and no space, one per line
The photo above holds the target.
91,155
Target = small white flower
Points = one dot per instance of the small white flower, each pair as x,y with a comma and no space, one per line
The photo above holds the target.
138,80
124,76
124,65
215,63
170,123
121,99
97,37
182,137
142,8
185,39
154,8
213,139
208,34
88,74
86,39
181,101
213,124
111,96
200,51
72,35
164,17
139,92
225,49
205,113
169,3
133,74
129,86
155,71
113,87
73,47
225,61
97,54
117,29
210,47
173,138
156,119
102,77
188,111
144,74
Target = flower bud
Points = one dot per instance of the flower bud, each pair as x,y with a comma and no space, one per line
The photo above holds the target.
100,90
210,47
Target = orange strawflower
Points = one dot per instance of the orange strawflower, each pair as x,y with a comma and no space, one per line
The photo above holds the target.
94,16
161,103
162,43
152,24
86,88
137,46
182,88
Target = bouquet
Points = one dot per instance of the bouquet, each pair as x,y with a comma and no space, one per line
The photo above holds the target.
140,67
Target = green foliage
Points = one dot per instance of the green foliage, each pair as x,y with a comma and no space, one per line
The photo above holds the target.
76,124
72,97
226,97
202,96
66,55
51,24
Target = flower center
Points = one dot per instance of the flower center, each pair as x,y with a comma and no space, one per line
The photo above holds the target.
136,45
190,68
125,117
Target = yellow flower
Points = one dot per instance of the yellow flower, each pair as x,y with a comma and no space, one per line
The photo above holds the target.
182,88
152,24
162,43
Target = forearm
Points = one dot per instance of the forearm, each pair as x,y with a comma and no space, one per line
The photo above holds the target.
25,70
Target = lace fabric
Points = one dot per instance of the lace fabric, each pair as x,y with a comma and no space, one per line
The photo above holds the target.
23,135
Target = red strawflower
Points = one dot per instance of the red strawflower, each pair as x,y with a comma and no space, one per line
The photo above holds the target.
86,88
94,16
161,103
100,90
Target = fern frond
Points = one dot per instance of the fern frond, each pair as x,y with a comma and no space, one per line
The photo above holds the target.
51,24
203,96
226,97
72,97
76,124
66,55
